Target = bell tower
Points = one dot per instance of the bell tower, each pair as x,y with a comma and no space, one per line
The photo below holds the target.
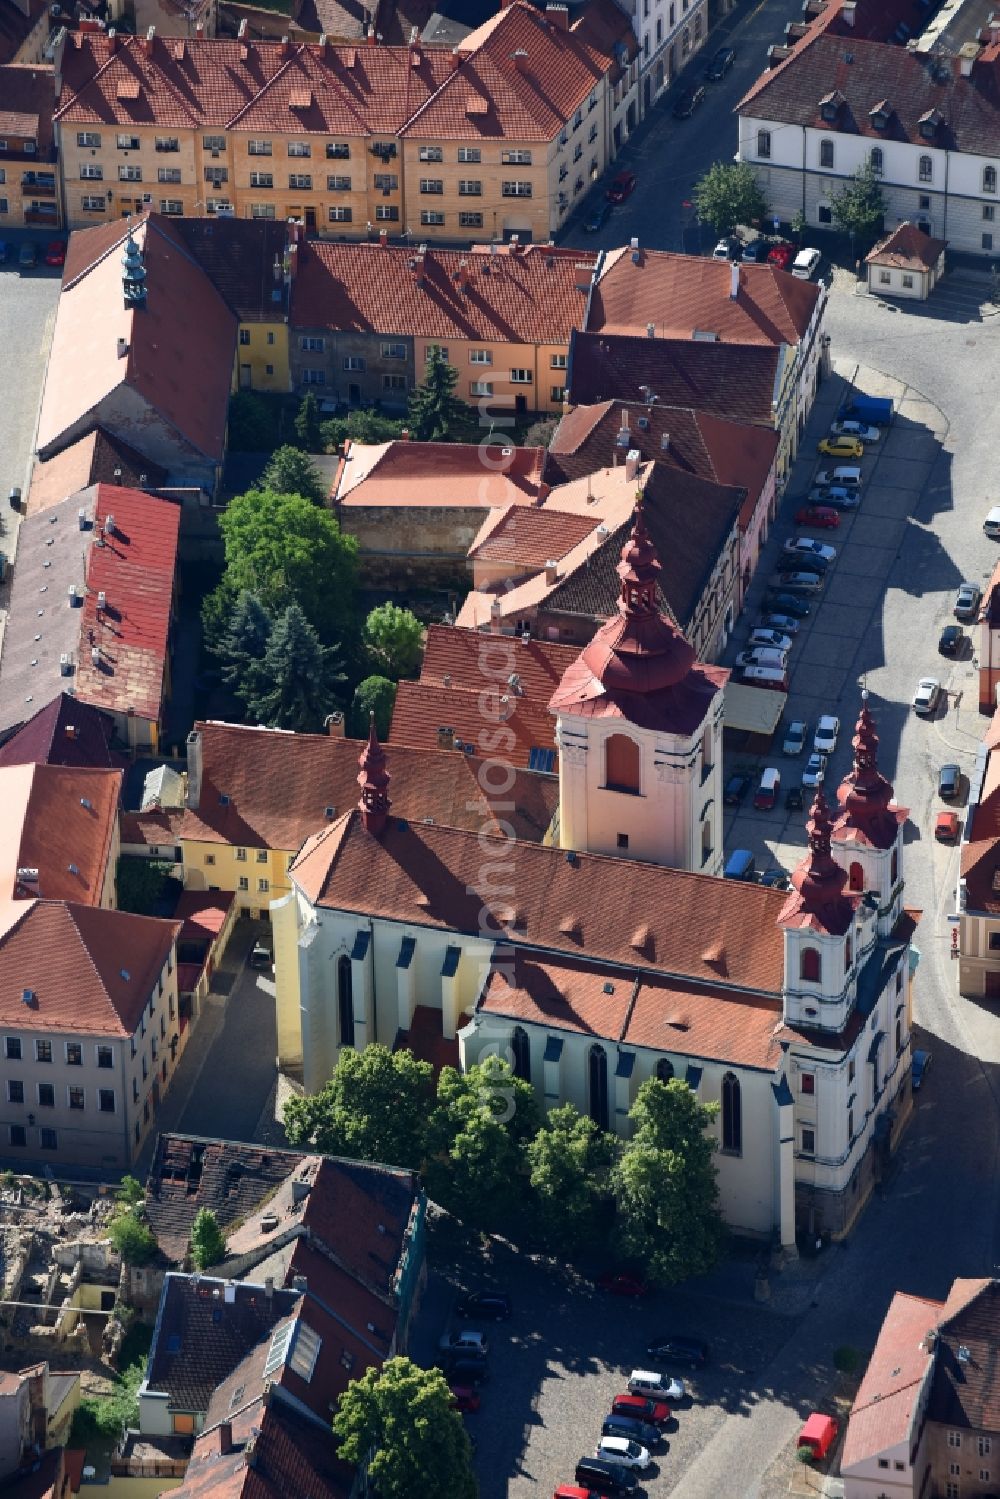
867,839
374,782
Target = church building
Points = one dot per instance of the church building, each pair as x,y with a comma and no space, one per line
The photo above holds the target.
617,953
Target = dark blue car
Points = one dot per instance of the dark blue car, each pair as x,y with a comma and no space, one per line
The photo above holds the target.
637,1431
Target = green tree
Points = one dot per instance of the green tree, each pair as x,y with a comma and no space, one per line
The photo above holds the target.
569,1159
100,1420
360,426
399,1418
373,695
728,195
435,411
299,678
665,1184
253,423
133,1239
208,1242
374,1108
144,886
283,548
290,471
242,648
131,1192
308,426
394,638
859,206
477,1138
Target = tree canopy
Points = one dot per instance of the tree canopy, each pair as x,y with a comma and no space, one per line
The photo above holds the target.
568,1159
435,412
859,206
361,426
394,638
308,428
374,1108
373,695
290,471
477,1138
400,1420
728,195
299,680
208,1242
243,645
133,1239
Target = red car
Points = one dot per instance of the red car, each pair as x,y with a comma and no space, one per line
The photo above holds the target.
946,827
55,253
622,1283
641,1409
464,1398
782,256
823,516
622,187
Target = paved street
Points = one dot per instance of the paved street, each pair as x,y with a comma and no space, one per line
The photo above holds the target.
27,315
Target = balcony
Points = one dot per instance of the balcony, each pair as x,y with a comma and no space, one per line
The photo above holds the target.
41,213
41,184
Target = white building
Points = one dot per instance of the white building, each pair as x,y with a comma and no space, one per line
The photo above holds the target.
928,124
596,966
669,33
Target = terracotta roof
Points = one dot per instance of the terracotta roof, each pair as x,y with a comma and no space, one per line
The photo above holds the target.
27,99
522,540
58,820
907,248
885,1404
422,708
432,877
202,913
340,20
152,829
679,294
817,900
179,347
604,26
408,474
561,994
280,805
526,296
189,1173
97,458
731,380
870,815
291,1455
238,256
88,970
870,73
966,1390
64,732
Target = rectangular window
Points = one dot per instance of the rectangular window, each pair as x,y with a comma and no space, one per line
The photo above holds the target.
244,881
46,1096
955,1469
386,182
907,281
105,1056
299,148
557,392
75,1097
809,1082
926,169
430,153
145,1111
340,215
923,201
433,185
43,1051
167,143
214,142
433,218
885,278
516,158
88,138
470,220
984,1475
511,189
521,377
91,172
15,1090
168,174
470,187
883,1462
578,151
216,176
50,1140
301,181
312,344
12,1048
808,1142
469,154
558,362
264,885
593,134
480,356
261,179
481,387
262,210
393,351
261,856
127,142
989,212
313,377
387,213
74,1054
135,1091
338,184
130,174
954,1439
171,206
18,1134
241,856
106,1100
987,241
985,1447
259,148
338,151
354,363
393,382
441,350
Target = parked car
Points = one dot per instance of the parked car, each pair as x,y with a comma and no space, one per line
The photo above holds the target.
967,601
622,1283
632,1430
625,1451
621,187
841,447
806,546
951,641
641,1408
762,655
925,699
825,517
773,678
949,782
495,1304
655,1386
600,1476
815,771
720,64
825,738
677,1348
775,879
991,525
755,253
921,1062
781,255
736,789
27,256
688,101
770,639
728,248
785,624
819,1435
946,827
55,252
804,562
844,475
795,737
740,865
464,1398
573,1491
768,787
598,217
836,495
850,428
784,605
260,956
794,799
806,264
875,409
466,1369
466,1341
803,580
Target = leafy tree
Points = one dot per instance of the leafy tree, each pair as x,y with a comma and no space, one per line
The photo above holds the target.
728,195
100,1420
541,433
133,1239
290,471
859,207
477,1138
399,1418
208,1242
131,1192
435,411
394,639
299,678
244,644
308,428
142,886
360,426
569,1160
665,1184
374,1108
373,695
283,548
253,423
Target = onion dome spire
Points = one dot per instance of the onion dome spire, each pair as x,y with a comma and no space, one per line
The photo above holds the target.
374,782
818,897
865,794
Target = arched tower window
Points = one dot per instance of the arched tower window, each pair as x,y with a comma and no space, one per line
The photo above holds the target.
622,764
856,876
521,1053
732,1114
894,866
847,952
345,1000
664,1069
876,160
811,965
598,1065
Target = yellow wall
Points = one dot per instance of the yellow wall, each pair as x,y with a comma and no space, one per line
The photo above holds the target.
139,1488
225,870
267,346
284,929
504,357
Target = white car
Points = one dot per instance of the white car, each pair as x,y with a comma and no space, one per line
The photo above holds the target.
466,1341
772,638
805,546
845,476
626,1453
815,770
795,737
850,428
926,696
762,655
825,738
806,264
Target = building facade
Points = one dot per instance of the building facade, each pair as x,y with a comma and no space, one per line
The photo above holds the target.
29,167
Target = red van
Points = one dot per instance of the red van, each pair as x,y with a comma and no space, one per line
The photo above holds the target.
766,795
819,1434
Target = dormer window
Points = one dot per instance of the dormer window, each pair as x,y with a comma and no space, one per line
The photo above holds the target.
830,106
879,116
929,123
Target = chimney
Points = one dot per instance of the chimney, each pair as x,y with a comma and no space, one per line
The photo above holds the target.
122,347
194,769
632,460
967,55
446,737
419,268
269,1287
335,725
496,615
557,16
583,274
225,1437
147,45
113,39
416,56
241,32
734,281
650,330
455,60
383,237
665,443
109,525
462,276
521,60
544,490
551,572
404,435
848,11
286,46
70,730
199,31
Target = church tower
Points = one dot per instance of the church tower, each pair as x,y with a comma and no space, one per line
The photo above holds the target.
639,730
867,838
819,923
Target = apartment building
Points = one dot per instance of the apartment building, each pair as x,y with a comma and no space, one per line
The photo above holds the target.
669,33
29,192
500,136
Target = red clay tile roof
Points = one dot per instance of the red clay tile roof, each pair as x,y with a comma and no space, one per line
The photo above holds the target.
152,829
981,873
431,877
524,298
523,540
189,1173
730,380
678,294
27,99
885,1404
202,913
238,256
606,28
291,1456
64,732
280,785
97,458
907,248
421,708
90,971
406,474
561,994
59,820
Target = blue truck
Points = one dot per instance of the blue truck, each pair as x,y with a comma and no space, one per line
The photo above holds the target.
877,410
